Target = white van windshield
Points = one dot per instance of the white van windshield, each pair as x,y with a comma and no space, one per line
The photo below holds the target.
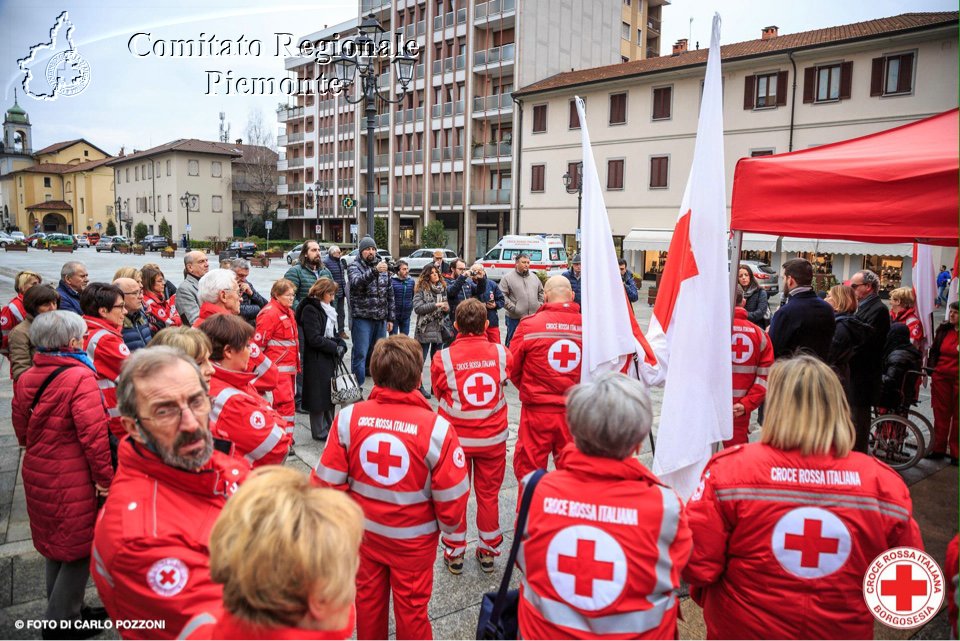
535,255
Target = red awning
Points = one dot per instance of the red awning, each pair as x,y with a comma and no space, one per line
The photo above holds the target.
894,186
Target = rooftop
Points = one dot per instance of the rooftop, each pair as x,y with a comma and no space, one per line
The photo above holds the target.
189,145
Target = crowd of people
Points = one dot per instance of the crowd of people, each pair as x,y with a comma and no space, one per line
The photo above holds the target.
156,420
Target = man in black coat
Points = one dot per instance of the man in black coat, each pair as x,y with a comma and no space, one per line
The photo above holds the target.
866,366
805,323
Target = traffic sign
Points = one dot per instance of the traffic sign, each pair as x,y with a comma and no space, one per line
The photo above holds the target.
268,224
353,229
99,226
348,202
188,229
318,229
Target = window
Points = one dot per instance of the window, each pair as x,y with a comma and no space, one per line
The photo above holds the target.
128,174
535,255
117,181
574,118
537,173
573,170
83,209
169,200
765,90
136,172
216,169
662,99
493,254
69,187
86,153
892,75
756,153
46,181
625,30
639,36
615,174
618,108
624,59
659,165
168,167
193,167
539,118
827,83
151,171
216,204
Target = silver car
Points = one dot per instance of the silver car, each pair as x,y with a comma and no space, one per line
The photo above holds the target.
766,276
423,257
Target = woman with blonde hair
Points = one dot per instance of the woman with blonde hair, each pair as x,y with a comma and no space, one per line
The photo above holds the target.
14,312
287,554
192,342
796,518
129,272
903,309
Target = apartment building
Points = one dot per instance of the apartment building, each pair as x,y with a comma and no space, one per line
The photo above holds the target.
781,93
445,151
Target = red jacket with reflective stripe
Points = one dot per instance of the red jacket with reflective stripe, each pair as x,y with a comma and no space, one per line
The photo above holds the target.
266,376
277,336
403,464
752,354
776,527
547,350
163,311
601,557
103,343
150,555
241,415
468,380
909,318
221,624
11,316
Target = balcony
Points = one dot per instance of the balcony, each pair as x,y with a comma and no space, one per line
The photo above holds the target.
407,158
446,153
497,14
282,164
446,199
408,200
379,200
373,5
281,140
498,108
381,162
490,197
653,24
293,163
498,151
291,139
283,213
290,113
450,19
497,57
289,212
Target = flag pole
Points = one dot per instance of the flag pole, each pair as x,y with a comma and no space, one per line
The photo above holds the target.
735,244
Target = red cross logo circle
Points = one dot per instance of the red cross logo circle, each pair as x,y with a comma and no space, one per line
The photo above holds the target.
564,356
257,420
4,320
384,458
903,588
810,542
161,313
587,567
167,577
479,389
741,347
254,350
124,349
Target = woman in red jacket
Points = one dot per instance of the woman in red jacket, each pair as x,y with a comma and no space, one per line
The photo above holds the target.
945,387
784,529
14,313
277,337
58,416
161,310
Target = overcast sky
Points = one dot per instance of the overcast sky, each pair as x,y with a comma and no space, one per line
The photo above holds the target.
139,102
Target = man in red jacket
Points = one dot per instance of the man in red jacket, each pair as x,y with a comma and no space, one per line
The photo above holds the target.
150,554
468,380
547,350
752,354
404,465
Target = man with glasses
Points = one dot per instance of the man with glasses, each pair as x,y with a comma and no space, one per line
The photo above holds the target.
866,366
150,555
195,266
806,323
136,327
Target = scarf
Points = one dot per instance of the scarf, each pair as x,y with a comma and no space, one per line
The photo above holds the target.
78,355
330,331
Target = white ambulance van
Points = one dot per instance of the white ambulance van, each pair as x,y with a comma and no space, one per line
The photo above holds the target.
545,252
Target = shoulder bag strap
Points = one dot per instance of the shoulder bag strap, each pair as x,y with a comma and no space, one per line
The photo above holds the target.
43,386
499,604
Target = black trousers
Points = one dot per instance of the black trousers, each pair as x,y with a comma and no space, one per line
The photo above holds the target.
860,415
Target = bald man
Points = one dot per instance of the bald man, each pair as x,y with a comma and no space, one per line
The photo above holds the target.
195,265
547,349
136,326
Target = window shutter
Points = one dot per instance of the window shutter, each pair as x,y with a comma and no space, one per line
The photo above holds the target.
782,88
574,119
876,77
749,92
846,79
905,83
809,84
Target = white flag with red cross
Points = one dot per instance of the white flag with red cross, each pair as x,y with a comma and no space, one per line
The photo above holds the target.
691,324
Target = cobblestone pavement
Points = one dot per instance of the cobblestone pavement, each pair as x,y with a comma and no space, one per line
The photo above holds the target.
455,602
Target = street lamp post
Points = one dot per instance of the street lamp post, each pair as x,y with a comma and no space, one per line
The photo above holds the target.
118,203
189,202
346,68
576,187
314,194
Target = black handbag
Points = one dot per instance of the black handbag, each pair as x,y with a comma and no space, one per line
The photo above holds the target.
446,331
498,610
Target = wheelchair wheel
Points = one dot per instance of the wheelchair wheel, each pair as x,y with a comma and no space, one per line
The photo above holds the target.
895,441
926,428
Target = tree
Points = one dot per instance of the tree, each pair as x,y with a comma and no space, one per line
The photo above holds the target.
164,229
434,235
139,232
380,233
255,174
111,228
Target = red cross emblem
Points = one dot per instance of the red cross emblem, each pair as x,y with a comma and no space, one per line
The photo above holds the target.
479,389
904,587
564,356
810,542
384,458
742,347
167,577
587,567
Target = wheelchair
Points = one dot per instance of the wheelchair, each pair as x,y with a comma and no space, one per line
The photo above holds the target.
899,436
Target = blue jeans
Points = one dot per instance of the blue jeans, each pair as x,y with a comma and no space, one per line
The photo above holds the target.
511,328
402,326
366,332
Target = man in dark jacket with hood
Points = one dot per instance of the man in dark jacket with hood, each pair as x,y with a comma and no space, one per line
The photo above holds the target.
573,275
806,323
371,304
866,366
402,283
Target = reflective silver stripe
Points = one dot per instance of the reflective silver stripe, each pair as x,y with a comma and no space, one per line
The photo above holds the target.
221,400
92,345
266,446
446,528
290,419
555,336
343,426
262,369
334,477
388,496
763,341
105,383
276,343
668,533
16,312
101,567
636,622
744,369
737,393
453,493
763,371
483,545
113,412
287,369
204,618
456,537
502,353
451,377
440,428
490,535
762,382
815,498
483,442
410,532
472,414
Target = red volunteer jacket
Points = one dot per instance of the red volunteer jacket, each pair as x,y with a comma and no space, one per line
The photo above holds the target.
775,527
10,316
752,354
277,337
468,380
221,624
266,376
103,343
164,312
601,557
403,464
150,555
547,349
239,414
909,318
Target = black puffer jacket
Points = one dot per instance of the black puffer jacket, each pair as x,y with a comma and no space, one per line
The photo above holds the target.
850,334
371,294
900,357
755,302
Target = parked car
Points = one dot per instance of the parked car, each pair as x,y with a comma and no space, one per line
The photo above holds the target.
6,238
94,238
154,243
293,255
18,235
241,249
80,240
352,256
766,276
33,238
423,257
110,243
62,240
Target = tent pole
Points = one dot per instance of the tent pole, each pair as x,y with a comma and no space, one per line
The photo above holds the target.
735,244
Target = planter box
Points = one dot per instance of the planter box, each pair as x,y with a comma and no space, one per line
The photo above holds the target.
123,250
16,248
261,261
165,254
141,251
61,249
274,253
651,296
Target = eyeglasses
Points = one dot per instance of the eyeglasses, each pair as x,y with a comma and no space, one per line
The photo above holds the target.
855,285
168,416
136,293
119,306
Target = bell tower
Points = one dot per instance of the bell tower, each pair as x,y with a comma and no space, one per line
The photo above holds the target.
17,137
